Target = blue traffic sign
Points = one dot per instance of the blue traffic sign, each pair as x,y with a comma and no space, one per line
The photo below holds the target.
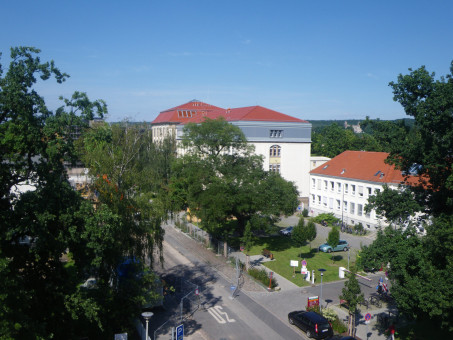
367,316
180,332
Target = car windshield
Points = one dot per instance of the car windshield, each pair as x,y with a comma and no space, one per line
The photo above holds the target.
323,325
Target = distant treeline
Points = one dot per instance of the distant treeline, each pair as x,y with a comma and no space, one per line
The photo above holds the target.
329,138
317,124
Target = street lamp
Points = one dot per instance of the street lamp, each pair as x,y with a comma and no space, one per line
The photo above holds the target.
322,270
147,316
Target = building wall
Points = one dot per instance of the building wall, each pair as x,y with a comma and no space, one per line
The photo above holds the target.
345,198
294,162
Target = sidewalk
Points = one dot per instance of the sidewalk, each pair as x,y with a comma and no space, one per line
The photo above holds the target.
290,297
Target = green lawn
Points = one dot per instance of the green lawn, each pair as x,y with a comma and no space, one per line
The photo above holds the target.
284,251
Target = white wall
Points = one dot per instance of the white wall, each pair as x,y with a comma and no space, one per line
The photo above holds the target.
294,162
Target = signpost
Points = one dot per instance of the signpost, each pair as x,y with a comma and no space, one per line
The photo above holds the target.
180,332
270,281
294,264
367,321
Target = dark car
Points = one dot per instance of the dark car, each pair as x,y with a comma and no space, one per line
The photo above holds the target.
287,231
315,325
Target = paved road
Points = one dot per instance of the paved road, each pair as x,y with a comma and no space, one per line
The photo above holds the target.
254,313
223,318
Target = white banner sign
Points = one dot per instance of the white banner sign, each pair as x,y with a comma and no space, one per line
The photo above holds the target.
294,263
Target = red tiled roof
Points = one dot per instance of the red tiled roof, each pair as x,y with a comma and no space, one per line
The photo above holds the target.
363,165
202,110
197,109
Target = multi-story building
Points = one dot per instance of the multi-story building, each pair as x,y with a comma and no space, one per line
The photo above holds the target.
282,140
342,186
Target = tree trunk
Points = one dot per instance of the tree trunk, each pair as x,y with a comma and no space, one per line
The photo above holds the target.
225,249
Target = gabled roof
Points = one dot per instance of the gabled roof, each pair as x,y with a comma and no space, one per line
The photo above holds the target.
362,165
199,110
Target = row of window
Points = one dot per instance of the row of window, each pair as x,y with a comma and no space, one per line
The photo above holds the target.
275,151
186,113
274,167
348,207
351,189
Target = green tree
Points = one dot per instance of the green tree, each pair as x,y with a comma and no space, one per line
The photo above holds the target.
299,233
219,177
333,238
36,225
247,241
396,206
430,146
311,232
332,140
353,295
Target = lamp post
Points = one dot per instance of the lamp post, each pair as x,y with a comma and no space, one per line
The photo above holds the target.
147,316
320,295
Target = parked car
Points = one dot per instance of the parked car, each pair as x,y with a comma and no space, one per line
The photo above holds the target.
342,245
313,324
287,231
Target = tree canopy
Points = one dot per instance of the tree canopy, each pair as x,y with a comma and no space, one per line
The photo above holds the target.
52,240
420,268
219,178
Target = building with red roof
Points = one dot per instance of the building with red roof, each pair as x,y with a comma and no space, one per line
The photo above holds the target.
283,140
342,186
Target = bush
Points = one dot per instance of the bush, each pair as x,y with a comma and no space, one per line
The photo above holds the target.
329,218
262,276
329,314
305,212
338,326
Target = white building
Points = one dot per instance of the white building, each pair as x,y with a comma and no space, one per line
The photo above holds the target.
282,140
342,186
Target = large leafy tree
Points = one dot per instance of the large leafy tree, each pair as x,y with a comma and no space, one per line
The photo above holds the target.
420,268
430,102
36,225
220,178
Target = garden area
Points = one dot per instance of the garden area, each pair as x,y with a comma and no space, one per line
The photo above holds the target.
284,250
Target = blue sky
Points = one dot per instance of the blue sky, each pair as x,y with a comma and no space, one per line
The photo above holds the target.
330,59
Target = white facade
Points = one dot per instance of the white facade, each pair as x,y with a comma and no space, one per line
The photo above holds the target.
345,198
292,163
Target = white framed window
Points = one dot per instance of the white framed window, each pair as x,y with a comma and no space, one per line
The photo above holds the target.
331,203
313,183
319,199
325,185
275,151
276,133
359,209
332,186
319,184
313,199
346,188
352,189
368,189
352,208
345,206
338,187
360,190
338,205
324,201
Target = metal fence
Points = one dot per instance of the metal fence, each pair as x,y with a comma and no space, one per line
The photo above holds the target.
217,246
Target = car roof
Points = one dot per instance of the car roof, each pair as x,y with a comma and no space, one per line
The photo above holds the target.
313,316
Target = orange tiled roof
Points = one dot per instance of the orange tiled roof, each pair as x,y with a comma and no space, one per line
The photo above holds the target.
363,165
199,110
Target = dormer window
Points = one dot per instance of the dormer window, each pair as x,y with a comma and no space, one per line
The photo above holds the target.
276,133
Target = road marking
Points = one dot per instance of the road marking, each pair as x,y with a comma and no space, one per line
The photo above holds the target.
217,313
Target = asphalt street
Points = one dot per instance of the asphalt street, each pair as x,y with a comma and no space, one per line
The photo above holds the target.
253,313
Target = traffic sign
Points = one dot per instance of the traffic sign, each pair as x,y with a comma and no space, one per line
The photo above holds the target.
197,292
368,317
180,332
232,287
304,263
